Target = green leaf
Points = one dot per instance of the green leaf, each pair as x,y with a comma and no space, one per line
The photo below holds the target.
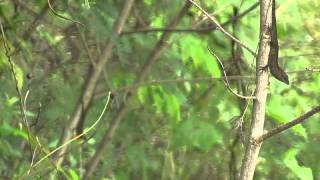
283,113
8,130
198,134
73,174
158,100
195,49
19,76
158,21
11,101
87,4
142,94
30,114
53,143
4,64
291,162
173,107
148,2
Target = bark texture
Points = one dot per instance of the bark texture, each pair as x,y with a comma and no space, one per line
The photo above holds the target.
252,148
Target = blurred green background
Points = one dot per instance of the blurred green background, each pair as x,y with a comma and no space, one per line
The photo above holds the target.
181,122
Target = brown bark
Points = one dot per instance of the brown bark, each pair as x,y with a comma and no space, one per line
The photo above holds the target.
91,80
288,125
154,56
252,148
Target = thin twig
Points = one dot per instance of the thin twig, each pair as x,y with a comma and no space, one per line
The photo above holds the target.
226,82
62,17
222,29
193,80
171,81
288,125
32,160
25,99
38,116
190,30
180,30
92,77
42,150
78,136
21,104
181,80
31,28
240,122
93,63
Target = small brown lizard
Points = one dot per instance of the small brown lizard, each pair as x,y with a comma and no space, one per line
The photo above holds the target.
273,62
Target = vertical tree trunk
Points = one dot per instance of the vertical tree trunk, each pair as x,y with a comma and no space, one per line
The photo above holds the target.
252,149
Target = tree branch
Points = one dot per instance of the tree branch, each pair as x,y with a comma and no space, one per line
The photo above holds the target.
154,56
18,89
288,125
191,30
182,80
62,17
226,78
27,33
222,29
85,99
258,113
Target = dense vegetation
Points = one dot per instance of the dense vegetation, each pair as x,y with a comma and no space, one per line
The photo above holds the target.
169,113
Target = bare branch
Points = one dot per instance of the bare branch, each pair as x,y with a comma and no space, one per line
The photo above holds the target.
21,99
62,17
258,113
226,82
32,27
191,30
222,29
288,125
193,80
182,80
77,119
78,136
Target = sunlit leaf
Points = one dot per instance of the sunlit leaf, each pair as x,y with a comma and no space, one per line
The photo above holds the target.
74,175
11,101
142,94
173,107
19,76
198,134
87,4
7,130
291,162
196,50
283,113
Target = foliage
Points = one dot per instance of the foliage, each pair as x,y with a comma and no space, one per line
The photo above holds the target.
180,122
